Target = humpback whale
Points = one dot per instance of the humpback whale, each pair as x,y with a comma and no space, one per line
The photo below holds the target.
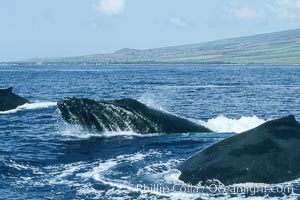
123,115
9,100
269,153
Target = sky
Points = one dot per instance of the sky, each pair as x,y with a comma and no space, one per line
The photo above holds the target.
59,28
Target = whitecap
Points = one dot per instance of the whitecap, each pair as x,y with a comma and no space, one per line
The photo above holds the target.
222,124
30,106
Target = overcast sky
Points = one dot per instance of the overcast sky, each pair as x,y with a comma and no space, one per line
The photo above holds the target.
57,28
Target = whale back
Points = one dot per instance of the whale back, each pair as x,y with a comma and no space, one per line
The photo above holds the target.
269,153
5,91
9,100
123,115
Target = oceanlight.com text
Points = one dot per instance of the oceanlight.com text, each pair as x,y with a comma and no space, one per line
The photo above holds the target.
215,189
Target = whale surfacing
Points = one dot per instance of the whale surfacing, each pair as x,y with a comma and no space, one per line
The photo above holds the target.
269,153
123,115
9,100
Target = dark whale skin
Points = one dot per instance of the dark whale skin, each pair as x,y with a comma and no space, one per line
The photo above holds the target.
123,115
9,100
269,153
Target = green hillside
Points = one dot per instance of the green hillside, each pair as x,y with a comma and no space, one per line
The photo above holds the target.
272,48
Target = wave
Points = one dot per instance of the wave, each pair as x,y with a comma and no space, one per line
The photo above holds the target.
30,106
194,86
161,174
222,124
112,182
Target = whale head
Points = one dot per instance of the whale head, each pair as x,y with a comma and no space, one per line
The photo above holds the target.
92,114
72,110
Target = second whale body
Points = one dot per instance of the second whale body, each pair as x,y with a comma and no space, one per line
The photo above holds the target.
123,115
269,153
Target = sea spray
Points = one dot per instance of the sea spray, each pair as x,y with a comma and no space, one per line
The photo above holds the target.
222,124
30,106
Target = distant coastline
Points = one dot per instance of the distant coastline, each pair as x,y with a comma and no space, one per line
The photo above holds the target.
279,48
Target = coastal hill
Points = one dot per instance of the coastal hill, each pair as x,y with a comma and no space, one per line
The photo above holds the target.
271,48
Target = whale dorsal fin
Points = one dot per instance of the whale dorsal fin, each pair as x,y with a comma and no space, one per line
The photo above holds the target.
288,120
7,90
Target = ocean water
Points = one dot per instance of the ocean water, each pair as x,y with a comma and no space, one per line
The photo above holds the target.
41,157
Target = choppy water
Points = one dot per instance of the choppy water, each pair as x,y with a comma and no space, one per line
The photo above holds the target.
42,157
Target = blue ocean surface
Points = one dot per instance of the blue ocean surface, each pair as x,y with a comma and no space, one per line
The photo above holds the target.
41,157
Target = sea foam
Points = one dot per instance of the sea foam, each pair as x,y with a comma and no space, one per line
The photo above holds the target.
222,124
30,106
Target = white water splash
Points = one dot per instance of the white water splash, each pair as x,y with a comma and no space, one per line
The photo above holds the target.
219,124
77,132
150,101
222,124
30,106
